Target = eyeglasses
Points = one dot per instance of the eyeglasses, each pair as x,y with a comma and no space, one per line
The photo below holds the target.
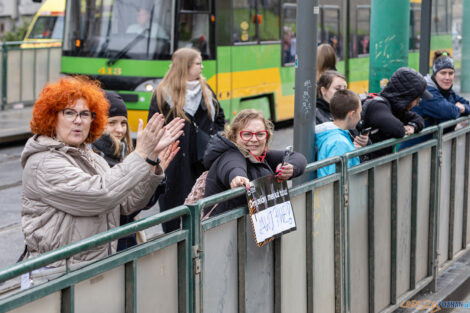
247,135
71,115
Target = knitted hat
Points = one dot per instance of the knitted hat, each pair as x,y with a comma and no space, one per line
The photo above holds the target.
117,106
441,63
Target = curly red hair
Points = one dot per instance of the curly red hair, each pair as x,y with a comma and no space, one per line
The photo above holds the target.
63,93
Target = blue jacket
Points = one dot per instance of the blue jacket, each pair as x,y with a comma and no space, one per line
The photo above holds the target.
332,141
440,108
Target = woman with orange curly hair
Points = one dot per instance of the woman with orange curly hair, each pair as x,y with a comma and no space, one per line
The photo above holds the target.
70,192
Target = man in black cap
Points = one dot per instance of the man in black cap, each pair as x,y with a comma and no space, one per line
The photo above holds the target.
389,113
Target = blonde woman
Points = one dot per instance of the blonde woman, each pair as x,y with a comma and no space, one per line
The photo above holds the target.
242,154
184,93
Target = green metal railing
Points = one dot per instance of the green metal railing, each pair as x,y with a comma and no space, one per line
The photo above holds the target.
24,71
65,284
368,238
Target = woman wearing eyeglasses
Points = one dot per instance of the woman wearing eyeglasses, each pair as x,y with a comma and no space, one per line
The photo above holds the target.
70,192
241,154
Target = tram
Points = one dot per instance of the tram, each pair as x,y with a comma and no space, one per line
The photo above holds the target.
47,26
248,47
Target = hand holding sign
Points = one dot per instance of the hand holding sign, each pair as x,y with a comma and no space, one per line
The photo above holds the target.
270,209
239,181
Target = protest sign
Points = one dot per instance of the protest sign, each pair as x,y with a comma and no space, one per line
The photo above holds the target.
270,209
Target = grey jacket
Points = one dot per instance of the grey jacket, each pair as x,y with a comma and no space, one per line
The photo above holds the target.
71,193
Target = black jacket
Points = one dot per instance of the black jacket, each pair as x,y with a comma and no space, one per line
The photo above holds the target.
387,113
104,146
185,169
227,161
323,113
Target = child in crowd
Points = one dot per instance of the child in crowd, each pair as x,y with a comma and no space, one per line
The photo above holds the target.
332,138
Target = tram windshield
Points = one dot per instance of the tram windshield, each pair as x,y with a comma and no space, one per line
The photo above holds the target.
119,29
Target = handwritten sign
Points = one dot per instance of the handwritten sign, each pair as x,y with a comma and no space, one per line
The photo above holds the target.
271,212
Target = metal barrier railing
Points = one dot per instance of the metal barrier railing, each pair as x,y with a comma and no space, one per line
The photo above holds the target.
24,71
367,238
128,264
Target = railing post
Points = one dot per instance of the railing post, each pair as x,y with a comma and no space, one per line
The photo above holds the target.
433,260
195,262
4,74
345,255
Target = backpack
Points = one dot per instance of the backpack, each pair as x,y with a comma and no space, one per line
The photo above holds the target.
198,190
197,193
367,96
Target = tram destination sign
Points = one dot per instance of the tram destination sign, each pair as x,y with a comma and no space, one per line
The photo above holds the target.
270,209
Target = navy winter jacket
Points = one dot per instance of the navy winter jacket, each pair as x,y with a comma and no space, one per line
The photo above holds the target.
442,107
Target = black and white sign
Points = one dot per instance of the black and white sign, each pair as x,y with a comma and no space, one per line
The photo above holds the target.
270,208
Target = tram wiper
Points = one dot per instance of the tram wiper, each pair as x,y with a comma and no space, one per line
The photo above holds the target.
124,50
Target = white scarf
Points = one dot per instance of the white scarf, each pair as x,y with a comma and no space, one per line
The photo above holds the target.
192,99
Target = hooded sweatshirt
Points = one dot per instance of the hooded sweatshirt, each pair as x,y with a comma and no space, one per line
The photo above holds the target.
226,160
330,141
388,114
70,194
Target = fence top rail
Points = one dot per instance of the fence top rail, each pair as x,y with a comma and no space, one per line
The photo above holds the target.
453,122
91,242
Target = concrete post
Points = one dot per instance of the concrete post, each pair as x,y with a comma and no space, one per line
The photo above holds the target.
305,79
389,40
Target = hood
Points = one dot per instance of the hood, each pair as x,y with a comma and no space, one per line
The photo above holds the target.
215,148
404,86
430,82
325,130
38,143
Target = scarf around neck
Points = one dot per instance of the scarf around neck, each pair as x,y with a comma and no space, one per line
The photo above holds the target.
192,99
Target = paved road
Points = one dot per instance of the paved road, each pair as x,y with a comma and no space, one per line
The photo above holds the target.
11,237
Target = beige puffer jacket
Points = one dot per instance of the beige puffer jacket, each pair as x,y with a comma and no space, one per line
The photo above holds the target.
70,194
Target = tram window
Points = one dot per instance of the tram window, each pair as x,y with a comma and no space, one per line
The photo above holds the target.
415,25
193,31
361,37
195,5
441,16
48,27
244,30
330,26
268,20
289,12
224,22
126,29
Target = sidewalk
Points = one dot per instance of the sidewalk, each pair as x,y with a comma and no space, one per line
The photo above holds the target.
14,124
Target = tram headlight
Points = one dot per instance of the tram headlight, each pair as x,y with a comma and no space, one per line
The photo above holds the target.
148,85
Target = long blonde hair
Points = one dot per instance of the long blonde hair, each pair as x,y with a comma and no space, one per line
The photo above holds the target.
174,83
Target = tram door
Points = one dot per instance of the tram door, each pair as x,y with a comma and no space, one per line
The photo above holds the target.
247,31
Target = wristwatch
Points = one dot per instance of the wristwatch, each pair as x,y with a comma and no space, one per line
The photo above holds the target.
152,162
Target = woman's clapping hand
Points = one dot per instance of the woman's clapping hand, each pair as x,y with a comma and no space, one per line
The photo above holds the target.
149,137
168,154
